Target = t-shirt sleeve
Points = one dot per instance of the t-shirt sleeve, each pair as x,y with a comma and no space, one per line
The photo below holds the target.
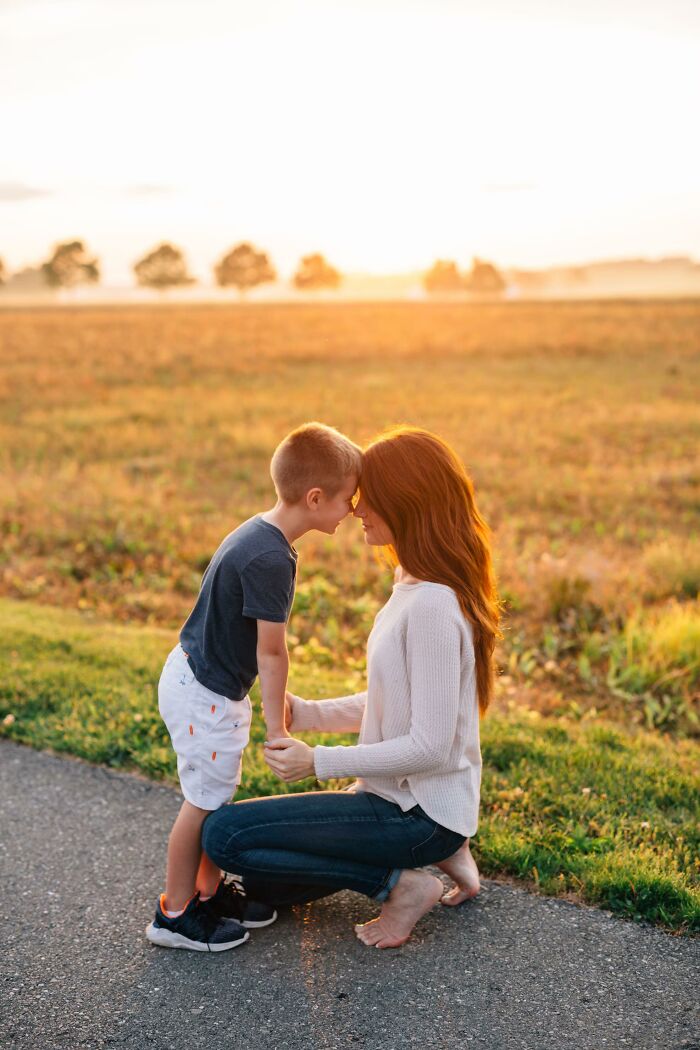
267,583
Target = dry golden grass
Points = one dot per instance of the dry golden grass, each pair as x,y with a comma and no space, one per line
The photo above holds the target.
133,439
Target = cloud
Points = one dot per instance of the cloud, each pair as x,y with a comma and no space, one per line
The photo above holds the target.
18,191
146,190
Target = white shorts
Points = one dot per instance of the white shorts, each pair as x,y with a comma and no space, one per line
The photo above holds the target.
209,733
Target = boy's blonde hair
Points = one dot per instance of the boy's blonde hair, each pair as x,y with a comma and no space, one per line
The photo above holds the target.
312,456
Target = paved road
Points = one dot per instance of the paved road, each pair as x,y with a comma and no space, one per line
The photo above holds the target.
81,865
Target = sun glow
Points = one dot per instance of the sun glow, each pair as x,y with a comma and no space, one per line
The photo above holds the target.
383,136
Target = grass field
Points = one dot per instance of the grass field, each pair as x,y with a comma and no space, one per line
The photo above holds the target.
133,439
575,807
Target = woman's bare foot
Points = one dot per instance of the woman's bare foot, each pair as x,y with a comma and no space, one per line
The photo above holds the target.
414,894
462,869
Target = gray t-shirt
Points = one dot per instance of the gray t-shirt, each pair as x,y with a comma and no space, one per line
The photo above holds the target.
251,577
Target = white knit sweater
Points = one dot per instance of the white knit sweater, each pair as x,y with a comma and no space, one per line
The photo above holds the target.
419,718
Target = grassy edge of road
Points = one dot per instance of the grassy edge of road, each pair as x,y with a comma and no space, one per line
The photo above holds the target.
577,808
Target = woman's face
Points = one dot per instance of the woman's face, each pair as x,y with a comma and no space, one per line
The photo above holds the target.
377,532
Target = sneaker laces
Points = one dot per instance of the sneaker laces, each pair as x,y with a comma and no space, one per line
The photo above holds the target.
234,895
209,919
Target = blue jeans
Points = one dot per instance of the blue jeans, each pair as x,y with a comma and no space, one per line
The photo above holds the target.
295,848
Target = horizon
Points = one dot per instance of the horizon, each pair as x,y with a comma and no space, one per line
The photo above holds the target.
283,281
355,139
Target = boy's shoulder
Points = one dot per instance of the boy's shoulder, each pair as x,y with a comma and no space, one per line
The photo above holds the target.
254,539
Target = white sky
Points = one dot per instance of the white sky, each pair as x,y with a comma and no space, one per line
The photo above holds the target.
384,133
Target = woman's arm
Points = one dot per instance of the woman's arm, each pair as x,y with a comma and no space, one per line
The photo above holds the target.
340,715
433,654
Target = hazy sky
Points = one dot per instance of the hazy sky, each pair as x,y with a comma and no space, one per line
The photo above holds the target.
384,133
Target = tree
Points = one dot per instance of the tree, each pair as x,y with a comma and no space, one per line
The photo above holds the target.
484,278
443,276
244,267
3,272
165,267
314,272
69,266
29,281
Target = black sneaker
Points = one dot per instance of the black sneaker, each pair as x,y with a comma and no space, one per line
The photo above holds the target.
230,902
199,928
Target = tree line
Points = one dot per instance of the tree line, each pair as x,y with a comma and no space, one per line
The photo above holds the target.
243,267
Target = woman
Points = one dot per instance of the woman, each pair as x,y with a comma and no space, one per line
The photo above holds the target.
417,762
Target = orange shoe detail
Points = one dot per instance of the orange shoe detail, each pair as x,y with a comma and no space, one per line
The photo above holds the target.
173,915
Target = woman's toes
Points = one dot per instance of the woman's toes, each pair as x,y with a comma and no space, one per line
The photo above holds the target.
455,896
387,942
368,932
375,936
459,894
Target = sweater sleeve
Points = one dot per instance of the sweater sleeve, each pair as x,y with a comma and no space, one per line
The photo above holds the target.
433,655
340,715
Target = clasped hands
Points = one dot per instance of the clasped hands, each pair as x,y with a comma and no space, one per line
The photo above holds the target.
289,759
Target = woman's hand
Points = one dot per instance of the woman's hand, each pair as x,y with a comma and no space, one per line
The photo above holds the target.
288,710
290,759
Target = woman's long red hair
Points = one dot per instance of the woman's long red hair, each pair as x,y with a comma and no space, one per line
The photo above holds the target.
416,482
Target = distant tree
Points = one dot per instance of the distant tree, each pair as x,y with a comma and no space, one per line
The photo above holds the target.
576,275
30,280
165,267
529,280
314,272
69,266
443,276
244,267
3,272
484,278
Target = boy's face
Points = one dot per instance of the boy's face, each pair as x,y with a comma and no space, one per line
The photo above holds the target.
330,510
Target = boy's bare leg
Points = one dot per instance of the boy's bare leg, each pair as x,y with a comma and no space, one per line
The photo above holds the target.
208,877
462,869
184,857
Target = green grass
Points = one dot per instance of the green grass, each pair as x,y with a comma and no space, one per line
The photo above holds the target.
121,472
656,660
573,807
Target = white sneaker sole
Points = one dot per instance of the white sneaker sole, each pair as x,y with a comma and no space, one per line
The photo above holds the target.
250,925
167,939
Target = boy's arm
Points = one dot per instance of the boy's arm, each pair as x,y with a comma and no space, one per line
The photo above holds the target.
273,669
267,582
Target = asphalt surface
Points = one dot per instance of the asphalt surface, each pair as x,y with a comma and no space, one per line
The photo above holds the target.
81,863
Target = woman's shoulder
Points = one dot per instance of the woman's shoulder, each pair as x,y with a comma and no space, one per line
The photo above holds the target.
427,589
426,596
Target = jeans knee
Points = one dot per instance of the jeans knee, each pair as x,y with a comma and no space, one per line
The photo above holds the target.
215,835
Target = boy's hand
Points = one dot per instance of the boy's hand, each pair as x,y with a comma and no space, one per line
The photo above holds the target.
290,759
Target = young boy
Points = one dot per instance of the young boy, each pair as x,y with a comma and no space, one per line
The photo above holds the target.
236,632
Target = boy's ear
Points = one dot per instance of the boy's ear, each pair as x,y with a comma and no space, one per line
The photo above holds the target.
313,498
